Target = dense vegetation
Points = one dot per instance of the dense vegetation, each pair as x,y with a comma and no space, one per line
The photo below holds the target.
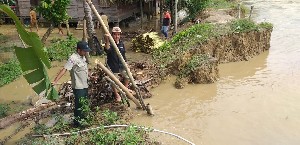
93,118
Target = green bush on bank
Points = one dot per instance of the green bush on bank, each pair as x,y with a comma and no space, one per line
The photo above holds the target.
9,72
61,49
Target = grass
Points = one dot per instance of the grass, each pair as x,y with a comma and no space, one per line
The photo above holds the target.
9,72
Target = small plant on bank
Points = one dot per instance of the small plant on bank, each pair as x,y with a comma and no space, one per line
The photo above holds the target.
243,25
9,72
266,25
110,117
61,49
4,108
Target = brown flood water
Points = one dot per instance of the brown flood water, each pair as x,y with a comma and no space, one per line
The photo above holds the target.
253,102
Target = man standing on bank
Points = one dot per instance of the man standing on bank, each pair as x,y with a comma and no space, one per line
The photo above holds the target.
113,61
78,68
166,24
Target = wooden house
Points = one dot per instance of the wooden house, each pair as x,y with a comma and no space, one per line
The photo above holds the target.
116,12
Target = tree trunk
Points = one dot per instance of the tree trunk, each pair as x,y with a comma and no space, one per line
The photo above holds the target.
89,20
161,11
48,32
142,15
90,27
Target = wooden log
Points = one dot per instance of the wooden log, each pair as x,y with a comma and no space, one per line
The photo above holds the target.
9,120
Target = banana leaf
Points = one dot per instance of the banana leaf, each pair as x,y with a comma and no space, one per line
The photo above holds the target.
33,60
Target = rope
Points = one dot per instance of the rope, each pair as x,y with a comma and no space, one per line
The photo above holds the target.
114,126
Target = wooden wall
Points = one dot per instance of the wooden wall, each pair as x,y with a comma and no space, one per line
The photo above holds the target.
114,12
24,8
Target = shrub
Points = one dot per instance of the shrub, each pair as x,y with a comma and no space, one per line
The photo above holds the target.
195,6
61,49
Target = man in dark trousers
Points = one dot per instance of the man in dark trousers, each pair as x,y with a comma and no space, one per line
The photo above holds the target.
166,24
78,68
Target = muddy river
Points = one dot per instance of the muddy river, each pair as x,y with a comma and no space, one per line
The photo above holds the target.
253,102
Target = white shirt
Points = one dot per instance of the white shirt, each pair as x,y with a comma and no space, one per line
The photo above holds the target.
77,66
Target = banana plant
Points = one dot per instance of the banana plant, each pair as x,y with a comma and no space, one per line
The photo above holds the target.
33,60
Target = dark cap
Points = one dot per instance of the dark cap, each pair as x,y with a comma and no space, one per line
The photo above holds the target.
83,46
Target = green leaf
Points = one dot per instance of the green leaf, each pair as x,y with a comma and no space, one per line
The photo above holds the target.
33,60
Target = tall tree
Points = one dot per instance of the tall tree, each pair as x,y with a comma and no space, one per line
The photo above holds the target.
55,12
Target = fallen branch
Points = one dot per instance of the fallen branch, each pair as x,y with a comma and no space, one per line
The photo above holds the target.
9,120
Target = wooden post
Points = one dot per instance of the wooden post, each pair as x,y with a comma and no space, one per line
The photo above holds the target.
239,10
251,11
119,55
161,11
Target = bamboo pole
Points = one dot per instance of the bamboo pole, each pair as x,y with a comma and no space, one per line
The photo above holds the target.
84,34
119,55
117,81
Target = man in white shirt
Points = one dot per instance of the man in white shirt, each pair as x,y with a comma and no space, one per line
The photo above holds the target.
77,66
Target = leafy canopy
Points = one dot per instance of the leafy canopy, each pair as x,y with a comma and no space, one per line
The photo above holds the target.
54,10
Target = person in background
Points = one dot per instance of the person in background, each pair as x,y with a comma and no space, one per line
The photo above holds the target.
166,23
60,29
33,20
78,68
113,61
